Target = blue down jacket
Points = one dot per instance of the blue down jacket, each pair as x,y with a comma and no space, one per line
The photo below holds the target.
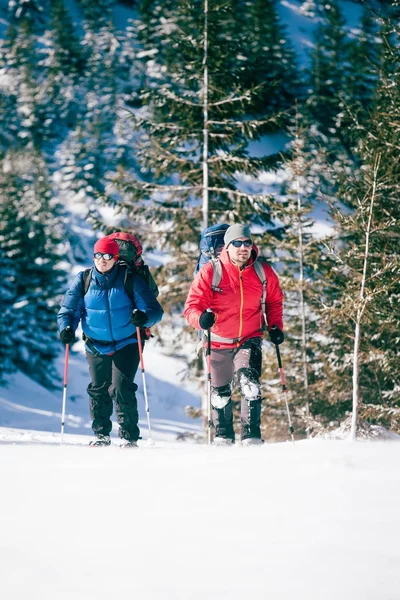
106,308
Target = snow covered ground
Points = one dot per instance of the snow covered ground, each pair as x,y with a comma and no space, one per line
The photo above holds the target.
317,520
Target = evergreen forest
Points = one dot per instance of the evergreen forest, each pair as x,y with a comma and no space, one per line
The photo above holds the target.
172,115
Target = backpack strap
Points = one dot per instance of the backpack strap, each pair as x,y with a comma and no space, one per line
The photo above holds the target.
86,279
259,269
217,274
128,281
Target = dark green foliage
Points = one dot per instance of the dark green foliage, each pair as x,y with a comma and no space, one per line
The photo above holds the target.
343,77
96,12
337,300
30,242
67,89
330,67
171,126
31,13
267,61
69,57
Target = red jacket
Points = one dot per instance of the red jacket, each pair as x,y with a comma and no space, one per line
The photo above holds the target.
237,307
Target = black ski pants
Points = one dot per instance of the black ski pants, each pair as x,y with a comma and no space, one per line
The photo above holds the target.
113,382
240,366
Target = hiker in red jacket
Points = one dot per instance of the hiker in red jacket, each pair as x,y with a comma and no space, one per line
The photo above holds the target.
240,310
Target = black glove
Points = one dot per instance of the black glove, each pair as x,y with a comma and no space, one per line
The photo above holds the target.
207,319
138,318
276,335
67,335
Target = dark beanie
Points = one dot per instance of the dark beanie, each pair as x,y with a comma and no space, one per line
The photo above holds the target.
106,245
236,231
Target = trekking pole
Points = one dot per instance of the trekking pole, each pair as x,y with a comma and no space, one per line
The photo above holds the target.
146,402
64,391
209,383
284,390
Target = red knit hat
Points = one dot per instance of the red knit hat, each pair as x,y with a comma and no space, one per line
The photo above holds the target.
107,245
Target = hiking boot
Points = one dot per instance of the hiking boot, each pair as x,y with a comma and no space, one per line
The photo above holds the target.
252,441
222,441
247,432
101,440
129,444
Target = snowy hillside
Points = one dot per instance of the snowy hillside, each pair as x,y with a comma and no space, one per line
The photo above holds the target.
26,405
178,520
310,521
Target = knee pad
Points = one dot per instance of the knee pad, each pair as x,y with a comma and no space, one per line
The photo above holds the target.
249,384
220,396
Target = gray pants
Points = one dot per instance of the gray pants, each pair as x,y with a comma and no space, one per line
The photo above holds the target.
240,366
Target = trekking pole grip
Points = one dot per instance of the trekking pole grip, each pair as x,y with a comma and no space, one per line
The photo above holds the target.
278,356
209,336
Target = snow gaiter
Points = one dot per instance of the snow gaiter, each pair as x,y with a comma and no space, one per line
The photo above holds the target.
222,415
250,413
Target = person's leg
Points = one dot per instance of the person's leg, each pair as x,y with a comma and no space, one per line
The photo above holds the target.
100,402
247,365
122,391
221,391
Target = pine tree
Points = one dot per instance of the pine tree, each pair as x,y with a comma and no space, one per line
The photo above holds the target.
359,287
342,77
100,141
8,216
97,13
267,61
19,65
29,12
31,240
171,145
302,176
39,100
69,58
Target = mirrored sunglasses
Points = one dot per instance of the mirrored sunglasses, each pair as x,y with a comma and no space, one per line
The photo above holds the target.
104,255
239,243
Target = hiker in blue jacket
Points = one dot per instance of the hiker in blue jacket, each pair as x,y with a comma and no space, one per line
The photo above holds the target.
110,314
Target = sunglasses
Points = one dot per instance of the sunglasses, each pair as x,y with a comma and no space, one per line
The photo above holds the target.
239,243
104,255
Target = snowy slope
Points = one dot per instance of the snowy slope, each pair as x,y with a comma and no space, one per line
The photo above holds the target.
317,520
311,521
26,405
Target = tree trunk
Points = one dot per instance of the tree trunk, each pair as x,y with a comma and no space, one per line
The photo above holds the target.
205,400
205,118
360,311
301,273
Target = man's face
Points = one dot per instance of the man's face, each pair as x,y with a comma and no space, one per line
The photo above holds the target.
239,251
